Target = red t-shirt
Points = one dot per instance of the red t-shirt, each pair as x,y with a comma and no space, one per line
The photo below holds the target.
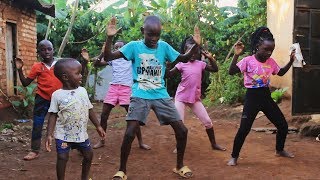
47,81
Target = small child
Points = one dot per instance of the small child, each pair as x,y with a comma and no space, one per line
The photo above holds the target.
257,70
70,110
148,58
47,84
119,91
189,90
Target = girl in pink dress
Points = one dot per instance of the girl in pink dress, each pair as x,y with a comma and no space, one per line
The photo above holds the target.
189,90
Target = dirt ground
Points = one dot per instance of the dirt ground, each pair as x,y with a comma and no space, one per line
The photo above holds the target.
257,159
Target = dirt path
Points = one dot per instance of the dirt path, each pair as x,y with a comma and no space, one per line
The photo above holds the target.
257,160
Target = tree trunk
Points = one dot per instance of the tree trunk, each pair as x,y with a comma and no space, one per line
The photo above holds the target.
66,36
48,29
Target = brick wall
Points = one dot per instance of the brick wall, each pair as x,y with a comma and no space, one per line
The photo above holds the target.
26,40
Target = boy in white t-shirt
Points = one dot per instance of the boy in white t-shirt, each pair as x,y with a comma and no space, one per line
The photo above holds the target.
70,110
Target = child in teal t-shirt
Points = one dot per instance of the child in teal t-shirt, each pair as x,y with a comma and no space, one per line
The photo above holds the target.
149,57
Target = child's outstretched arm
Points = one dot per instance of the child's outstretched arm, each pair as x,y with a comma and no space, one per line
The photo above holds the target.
212,66
285,69
111,32
172,71
24,81
51,124
238,48
186,57
94,120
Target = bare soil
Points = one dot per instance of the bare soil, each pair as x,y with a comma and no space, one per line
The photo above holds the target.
257,159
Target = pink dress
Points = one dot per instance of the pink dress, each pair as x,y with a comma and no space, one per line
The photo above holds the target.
189,89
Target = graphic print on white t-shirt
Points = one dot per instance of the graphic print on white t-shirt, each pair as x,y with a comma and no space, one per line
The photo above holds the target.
149,72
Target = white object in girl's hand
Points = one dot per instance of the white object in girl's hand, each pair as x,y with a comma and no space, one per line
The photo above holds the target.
298,58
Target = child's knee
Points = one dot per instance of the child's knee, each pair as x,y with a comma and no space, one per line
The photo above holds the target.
63,157
208,124
129,134
182,132
88,155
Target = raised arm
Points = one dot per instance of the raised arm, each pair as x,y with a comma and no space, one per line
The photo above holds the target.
24,81
285,69
212,66
111,32
172,71
185,57
238,48
194,49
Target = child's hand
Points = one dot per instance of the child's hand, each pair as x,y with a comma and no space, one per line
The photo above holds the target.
196,35
208,55
293,53
19,63
112,27
101,132
238,48
48,143
85,54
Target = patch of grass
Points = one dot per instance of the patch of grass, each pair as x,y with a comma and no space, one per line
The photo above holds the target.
6,126
119,124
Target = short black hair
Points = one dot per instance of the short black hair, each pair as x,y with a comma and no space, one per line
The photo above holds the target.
43,42
61,66
260,34
187,40
151,19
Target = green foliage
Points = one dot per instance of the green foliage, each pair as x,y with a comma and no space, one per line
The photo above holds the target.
6,126
278,94
26,102
220,27
225,88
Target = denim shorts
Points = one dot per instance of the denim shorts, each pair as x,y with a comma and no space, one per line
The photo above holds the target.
164,109
65,147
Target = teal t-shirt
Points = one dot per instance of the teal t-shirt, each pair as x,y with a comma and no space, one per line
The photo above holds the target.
148,68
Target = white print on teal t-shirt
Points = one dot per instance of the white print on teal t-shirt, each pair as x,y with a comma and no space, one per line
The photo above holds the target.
149,72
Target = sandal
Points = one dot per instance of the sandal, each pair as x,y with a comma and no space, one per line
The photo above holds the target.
183,172
121,175
31,156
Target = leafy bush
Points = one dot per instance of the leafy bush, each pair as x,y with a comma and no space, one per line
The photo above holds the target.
225,88
278,94
26,102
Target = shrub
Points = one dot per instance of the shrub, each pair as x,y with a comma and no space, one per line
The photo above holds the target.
225,88
26,102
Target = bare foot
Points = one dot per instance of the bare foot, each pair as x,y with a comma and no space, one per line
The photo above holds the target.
144,147
217,147
31,156
232,162
284,154
99,144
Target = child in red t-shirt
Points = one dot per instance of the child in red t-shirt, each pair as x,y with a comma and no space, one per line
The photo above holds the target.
47,84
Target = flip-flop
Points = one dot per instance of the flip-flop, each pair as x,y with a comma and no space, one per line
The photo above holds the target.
121,175
183,171
31,156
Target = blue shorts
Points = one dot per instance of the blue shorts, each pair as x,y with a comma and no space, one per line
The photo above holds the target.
64,147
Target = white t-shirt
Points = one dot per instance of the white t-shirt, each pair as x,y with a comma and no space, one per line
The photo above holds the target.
72,107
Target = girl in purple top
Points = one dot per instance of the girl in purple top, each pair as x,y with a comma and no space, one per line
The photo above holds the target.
189,90
257,70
